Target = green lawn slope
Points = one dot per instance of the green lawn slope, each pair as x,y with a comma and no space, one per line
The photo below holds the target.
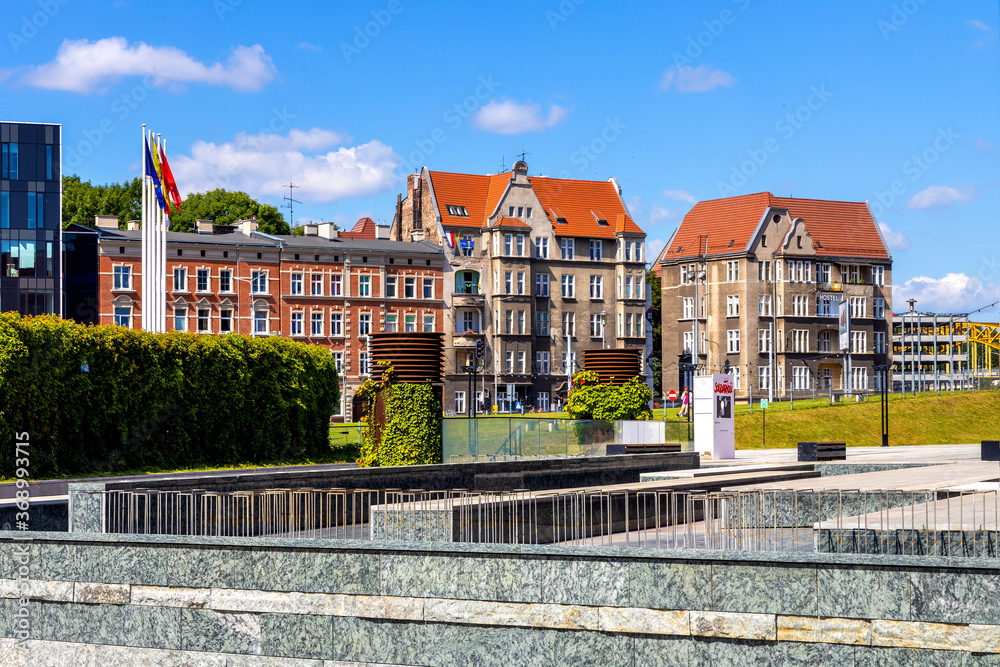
926,419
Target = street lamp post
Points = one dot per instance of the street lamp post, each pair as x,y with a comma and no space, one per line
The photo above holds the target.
718,354
604,317
884,370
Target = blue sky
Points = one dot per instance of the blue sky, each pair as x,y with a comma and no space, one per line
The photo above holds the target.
896,102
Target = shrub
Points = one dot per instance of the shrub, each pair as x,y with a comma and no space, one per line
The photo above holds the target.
403,426
107,398
589,399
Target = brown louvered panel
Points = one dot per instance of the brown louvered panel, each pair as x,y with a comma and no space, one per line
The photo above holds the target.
615,366
416,356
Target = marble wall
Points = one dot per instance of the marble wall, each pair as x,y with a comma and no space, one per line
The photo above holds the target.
95,599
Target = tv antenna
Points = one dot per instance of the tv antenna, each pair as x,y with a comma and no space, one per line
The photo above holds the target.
503,164
291,203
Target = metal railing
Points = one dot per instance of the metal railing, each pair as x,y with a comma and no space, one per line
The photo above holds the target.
954,522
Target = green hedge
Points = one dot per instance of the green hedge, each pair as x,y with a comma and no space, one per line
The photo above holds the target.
412,432
157,400
402,422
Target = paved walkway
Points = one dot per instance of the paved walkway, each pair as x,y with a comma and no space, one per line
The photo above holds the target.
895,454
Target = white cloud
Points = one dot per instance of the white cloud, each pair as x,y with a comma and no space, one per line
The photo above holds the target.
937,196
509,117
700,79
896,240
679,195
83,66
653,249
978,25
306,46
635,206
261,165
955,293
659,213
981,144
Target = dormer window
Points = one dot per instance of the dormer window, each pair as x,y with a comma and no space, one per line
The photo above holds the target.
561,221
602,223
457,211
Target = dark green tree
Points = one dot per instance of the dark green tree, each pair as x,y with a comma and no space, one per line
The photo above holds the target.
82,201
224,207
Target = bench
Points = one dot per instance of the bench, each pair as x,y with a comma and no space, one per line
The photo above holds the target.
822,451
659,448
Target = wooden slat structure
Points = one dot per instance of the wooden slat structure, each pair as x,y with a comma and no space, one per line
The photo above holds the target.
615,365
416,356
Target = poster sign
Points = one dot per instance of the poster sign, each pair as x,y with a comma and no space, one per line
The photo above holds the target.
844,326
714,427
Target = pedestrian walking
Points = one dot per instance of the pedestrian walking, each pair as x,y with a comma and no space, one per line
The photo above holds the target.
685,399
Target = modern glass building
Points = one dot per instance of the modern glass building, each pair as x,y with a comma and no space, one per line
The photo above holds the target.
30,218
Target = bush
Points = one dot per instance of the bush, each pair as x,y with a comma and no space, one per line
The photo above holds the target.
107,398
591,400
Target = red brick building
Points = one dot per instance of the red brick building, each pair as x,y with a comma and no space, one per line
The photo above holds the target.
321,288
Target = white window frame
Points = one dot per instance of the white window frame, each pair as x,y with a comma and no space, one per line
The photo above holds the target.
732,341
596,287
733,305
296,323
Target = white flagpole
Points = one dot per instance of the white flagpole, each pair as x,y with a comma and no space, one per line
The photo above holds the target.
161,295
166,228
145,240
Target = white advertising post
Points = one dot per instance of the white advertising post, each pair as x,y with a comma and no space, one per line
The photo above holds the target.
714,427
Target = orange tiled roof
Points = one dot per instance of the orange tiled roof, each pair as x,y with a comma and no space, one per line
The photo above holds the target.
363,229
721,226
580,203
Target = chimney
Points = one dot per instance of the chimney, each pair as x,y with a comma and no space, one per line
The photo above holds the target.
247,226
204,226
325,230
133,225
310,229
382,231
106,221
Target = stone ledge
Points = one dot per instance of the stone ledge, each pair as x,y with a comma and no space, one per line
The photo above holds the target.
608,619
947,636
734,625
35,589
517,614
90,593
824,630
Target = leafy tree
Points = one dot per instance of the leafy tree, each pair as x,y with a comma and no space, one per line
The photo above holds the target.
656,362
82,201
589,399
225,208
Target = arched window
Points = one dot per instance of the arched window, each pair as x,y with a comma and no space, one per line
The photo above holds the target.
467,282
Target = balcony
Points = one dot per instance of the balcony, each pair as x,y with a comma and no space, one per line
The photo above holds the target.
467,300
466,338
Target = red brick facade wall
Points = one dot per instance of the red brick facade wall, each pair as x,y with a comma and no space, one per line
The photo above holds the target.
280,303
